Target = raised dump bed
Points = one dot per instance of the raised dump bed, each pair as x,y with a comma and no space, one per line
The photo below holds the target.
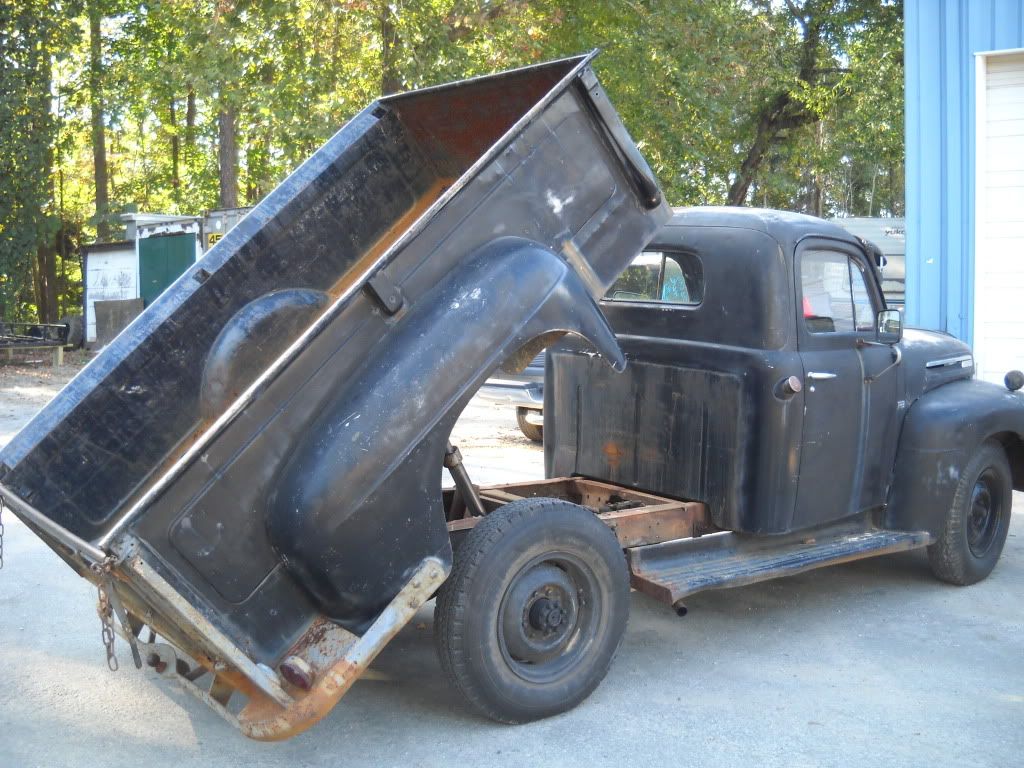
251,469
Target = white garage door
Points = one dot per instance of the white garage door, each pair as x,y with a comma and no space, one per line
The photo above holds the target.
999,219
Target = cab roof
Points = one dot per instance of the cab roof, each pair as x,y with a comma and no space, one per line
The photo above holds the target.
784,226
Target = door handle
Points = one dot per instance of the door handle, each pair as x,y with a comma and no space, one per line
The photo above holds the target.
820,375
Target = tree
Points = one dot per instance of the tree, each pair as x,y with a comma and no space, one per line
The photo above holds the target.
32,34
812,80
187,105
99,142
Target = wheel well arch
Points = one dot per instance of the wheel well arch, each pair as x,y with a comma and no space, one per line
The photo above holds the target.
1013,444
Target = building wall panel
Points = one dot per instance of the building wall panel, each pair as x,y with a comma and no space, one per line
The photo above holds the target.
941,38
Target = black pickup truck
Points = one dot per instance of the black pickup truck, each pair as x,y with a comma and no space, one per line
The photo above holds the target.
773,417
250,473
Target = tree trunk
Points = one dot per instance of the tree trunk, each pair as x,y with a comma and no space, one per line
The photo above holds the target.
175,153
253,171
390,81
874,189
44,270
99,145
818,187
783,112
767,128
45,274
190,119
44,267
227,156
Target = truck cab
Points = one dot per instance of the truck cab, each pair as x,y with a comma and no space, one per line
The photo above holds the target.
773,417
767,378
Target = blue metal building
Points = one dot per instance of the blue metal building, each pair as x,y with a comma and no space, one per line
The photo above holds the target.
965,174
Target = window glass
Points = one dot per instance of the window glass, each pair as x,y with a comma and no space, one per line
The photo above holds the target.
835,294
864,312
639,281
671,278
827,296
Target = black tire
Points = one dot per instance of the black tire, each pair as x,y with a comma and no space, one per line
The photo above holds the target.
76,330
978,520
534,610
532,431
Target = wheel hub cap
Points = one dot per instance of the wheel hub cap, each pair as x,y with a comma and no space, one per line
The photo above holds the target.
540,614
546,615
983,520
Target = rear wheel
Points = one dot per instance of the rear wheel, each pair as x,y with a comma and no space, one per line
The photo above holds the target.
978,520
534,432
534,610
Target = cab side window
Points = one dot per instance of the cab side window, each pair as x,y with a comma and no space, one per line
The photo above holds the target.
663,277
835,293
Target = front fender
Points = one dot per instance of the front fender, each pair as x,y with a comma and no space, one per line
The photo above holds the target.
941,433
358,504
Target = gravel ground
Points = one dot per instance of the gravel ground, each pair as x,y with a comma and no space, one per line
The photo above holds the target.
867,664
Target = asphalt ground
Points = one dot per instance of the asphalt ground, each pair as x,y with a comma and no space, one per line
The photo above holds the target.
872,663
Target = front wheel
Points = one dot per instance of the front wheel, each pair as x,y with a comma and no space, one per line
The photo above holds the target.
534,610
978,520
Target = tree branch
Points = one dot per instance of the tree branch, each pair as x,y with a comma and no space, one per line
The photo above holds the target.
798,14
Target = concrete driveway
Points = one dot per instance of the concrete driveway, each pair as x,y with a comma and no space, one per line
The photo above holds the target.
873,663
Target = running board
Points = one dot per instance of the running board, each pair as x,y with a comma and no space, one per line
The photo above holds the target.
669,572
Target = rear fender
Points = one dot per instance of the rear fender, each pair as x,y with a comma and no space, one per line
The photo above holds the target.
941,432
358,504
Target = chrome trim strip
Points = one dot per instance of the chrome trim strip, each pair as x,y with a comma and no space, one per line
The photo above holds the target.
949,361
264,379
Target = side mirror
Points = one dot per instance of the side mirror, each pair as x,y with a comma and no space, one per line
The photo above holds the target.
889,326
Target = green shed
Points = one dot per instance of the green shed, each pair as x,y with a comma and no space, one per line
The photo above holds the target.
162,259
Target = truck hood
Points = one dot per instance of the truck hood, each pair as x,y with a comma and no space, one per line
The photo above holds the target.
931,359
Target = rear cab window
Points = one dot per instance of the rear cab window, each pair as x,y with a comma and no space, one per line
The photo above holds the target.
664,277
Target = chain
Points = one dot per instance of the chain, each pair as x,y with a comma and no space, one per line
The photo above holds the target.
1,532
106,614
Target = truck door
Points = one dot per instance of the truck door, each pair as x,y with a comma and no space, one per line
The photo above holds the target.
844,409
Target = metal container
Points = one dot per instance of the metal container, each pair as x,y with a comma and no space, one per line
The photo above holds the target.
268,497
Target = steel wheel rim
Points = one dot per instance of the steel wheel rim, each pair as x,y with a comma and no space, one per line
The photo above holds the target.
559,634
984,514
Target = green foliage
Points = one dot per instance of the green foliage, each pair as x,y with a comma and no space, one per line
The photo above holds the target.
696,82
33,36
847,158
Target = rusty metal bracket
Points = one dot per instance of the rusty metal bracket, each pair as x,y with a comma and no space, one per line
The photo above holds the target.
453,463
164,660
265,721
122,617
172,604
